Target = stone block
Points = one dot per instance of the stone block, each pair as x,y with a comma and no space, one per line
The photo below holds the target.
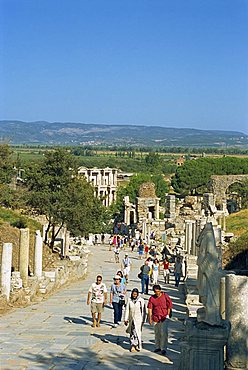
202,347
50,275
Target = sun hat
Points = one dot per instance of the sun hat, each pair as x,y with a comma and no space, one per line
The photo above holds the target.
117,277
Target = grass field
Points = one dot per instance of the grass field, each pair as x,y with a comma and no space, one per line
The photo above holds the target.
237,223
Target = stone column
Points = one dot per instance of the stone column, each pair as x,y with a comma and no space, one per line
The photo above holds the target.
6,269
194,238
188,235
148,233
38,249
237,314
143,229
24,256
157,210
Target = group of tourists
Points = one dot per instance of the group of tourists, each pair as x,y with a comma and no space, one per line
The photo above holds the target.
158,310
136,312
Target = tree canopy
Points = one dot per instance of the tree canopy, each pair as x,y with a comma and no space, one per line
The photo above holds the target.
194,175
56,191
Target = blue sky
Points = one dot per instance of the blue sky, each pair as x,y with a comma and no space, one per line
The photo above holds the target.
172,63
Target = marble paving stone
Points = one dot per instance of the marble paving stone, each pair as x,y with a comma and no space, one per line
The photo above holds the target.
46,340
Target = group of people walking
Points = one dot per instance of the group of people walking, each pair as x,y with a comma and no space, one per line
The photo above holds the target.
136,312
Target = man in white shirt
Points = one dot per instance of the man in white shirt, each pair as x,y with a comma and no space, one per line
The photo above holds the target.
126,264
97,296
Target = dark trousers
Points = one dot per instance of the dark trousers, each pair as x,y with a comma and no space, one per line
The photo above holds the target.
117,312
144,283
177,278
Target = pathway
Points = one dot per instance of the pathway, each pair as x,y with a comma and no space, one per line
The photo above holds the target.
57,334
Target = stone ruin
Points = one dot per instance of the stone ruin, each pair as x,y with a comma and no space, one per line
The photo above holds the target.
21,286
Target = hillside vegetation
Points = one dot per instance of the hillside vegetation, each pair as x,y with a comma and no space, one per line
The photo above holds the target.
236,255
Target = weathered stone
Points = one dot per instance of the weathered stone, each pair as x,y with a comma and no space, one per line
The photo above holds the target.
209,277
38,254
203,346
6,269
237,313
24,256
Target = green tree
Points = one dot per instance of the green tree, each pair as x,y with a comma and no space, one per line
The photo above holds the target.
56,191
6,165
194,175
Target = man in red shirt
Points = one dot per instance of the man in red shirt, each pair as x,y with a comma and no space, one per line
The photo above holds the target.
159,307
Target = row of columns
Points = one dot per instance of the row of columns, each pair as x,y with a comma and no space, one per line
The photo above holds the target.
23,261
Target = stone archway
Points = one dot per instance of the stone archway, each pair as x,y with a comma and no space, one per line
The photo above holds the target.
220,184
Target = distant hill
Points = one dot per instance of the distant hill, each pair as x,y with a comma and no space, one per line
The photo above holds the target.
60,133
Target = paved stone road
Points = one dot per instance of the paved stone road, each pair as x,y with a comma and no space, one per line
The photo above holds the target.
57,334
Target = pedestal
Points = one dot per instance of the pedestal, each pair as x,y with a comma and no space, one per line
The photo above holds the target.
202,348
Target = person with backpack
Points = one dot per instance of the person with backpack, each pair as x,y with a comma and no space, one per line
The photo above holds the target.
144,276
159,309
135,315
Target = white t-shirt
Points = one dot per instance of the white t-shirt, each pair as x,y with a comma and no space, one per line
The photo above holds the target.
97,292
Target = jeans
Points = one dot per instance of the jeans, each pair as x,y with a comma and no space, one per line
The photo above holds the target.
117,312
177,278
144,282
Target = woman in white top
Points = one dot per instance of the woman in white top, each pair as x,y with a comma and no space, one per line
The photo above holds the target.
155,271
135,316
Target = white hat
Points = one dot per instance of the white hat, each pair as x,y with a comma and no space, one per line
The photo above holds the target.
126,254
117,277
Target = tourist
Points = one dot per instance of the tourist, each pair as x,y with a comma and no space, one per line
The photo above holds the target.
146,250
117,299
178,271
126,264
166,265
117,253
159,308
96,239
155,271
145,270
97,296
135,315
141,249
123,280
132,244
114,240
110,242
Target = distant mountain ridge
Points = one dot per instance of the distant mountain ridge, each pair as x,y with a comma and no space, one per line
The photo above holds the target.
67,133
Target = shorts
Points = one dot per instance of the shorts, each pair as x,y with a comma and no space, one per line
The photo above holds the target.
126,270
96,307
141,253
166,272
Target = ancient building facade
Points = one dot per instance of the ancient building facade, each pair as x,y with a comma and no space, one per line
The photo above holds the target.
104,181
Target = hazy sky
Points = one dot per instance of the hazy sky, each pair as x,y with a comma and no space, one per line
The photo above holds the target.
172,63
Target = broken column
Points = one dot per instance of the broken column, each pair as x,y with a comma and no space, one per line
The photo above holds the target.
170,206
237,314
24,256
38,254
6,269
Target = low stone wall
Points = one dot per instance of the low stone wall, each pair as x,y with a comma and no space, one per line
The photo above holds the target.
66,271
